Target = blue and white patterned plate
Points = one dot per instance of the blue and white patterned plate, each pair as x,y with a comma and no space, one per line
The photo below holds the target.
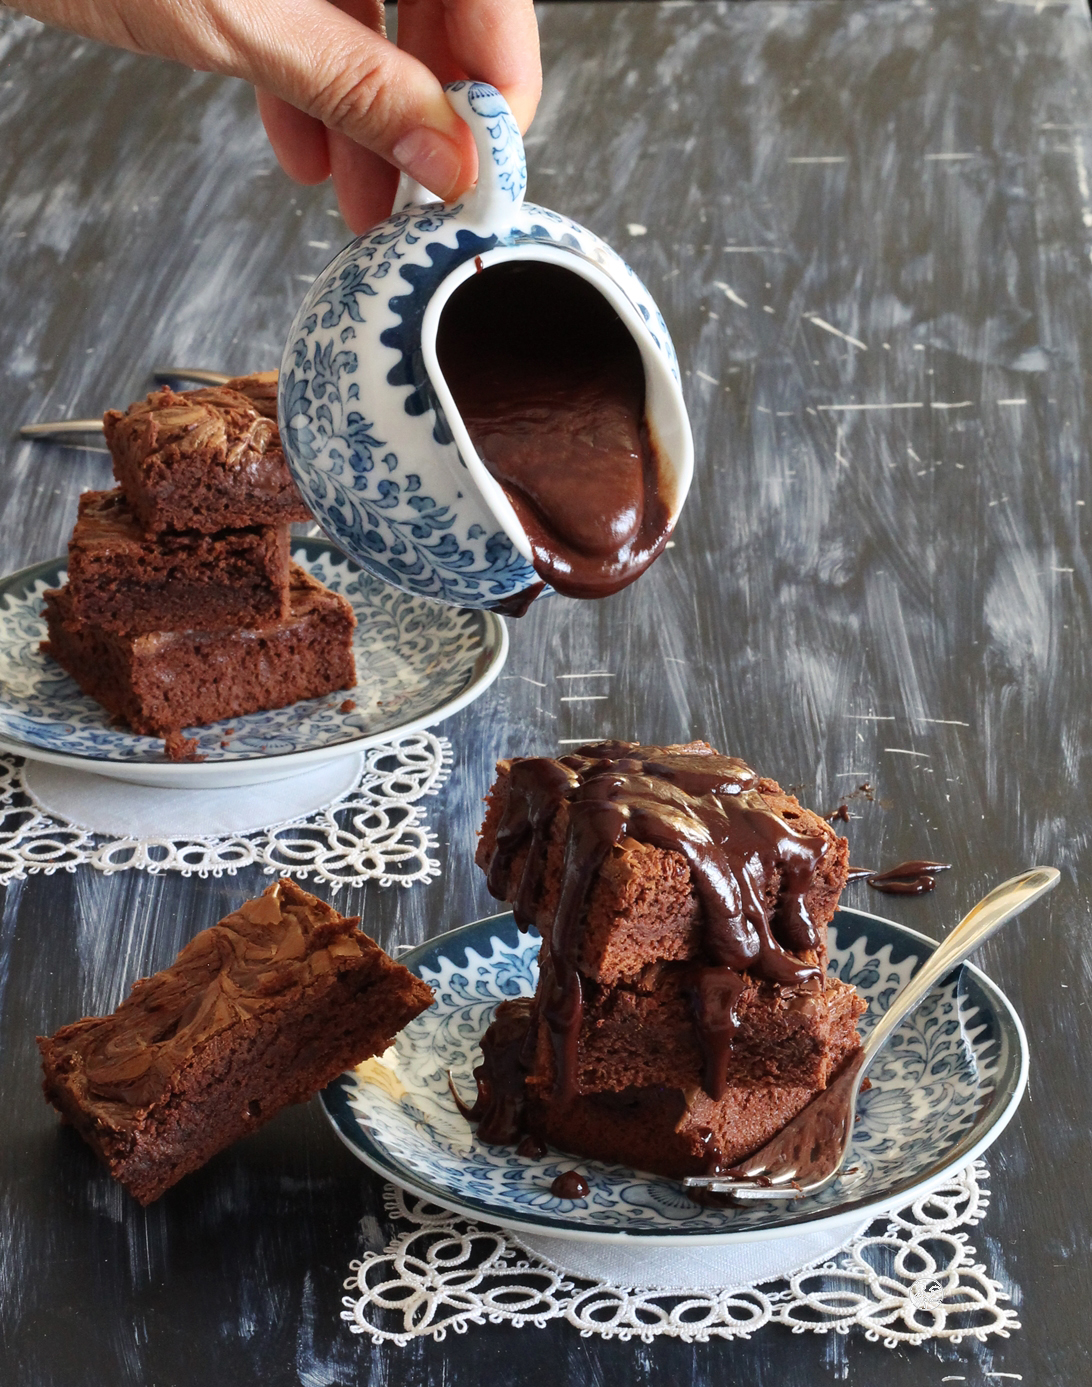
942,1090
417,661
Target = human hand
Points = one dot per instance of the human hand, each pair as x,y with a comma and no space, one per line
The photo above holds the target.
336,97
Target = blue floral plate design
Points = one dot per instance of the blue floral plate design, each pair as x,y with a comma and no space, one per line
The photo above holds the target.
943,1089
416,661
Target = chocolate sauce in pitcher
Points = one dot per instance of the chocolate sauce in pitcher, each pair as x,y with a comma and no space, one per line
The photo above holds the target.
551,386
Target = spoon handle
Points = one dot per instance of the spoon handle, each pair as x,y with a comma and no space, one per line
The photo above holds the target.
56,427
982,920
162,374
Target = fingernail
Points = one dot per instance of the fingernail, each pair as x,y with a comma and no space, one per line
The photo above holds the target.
429,158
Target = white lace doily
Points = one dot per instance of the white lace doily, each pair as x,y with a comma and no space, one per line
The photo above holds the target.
375,830
908,1277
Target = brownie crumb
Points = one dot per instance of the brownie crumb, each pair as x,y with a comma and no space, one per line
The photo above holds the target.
347,706
180,748
842,814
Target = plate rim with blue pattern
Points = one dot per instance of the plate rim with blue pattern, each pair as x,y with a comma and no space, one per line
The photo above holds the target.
43,734
985,1003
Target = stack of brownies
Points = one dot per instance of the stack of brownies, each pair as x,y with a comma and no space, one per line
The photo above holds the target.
182,605
684,1013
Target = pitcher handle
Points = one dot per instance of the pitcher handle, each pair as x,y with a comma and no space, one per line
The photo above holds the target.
410,193
502,165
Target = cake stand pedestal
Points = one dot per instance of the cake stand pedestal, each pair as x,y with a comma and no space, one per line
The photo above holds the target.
121,809
722,1266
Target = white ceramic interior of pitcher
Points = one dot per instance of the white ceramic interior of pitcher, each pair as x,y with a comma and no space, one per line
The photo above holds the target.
369,426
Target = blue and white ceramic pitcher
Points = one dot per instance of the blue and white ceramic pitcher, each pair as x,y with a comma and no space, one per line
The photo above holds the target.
370,428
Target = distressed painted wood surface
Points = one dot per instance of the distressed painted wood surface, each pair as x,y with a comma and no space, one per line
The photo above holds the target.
869,227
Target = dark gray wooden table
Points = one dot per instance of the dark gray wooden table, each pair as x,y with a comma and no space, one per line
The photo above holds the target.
869,227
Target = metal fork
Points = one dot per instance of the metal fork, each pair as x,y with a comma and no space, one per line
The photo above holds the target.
807,1154
56,428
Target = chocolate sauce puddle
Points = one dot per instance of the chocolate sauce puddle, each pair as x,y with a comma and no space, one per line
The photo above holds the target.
551,387
909,878
912,878
859,873
707,809
570,1184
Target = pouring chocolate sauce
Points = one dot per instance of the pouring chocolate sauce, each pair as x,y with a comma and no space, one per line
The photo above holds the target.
551,387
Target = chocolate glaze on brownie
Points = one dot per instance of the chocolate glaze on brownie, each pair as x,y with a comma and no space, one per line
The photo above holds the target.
122,581
205,459
255,1013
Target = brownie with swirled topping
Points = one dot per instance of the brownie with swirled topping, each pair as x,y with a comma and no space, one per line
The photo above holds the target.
206,459
260,1011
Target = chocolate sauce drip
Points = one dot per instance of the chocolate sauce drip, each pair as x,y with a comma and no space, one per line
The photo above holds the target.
551,387
570,1184
499,1107
714,996
533,1148
860,873
908,878
519,603
537,787
706,808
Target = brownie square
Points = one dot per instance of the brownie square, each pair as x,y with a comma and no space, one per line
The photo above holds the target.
641,1097
783,1035
121,581
259,1011
205,460
672,1130
162,681
642,906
